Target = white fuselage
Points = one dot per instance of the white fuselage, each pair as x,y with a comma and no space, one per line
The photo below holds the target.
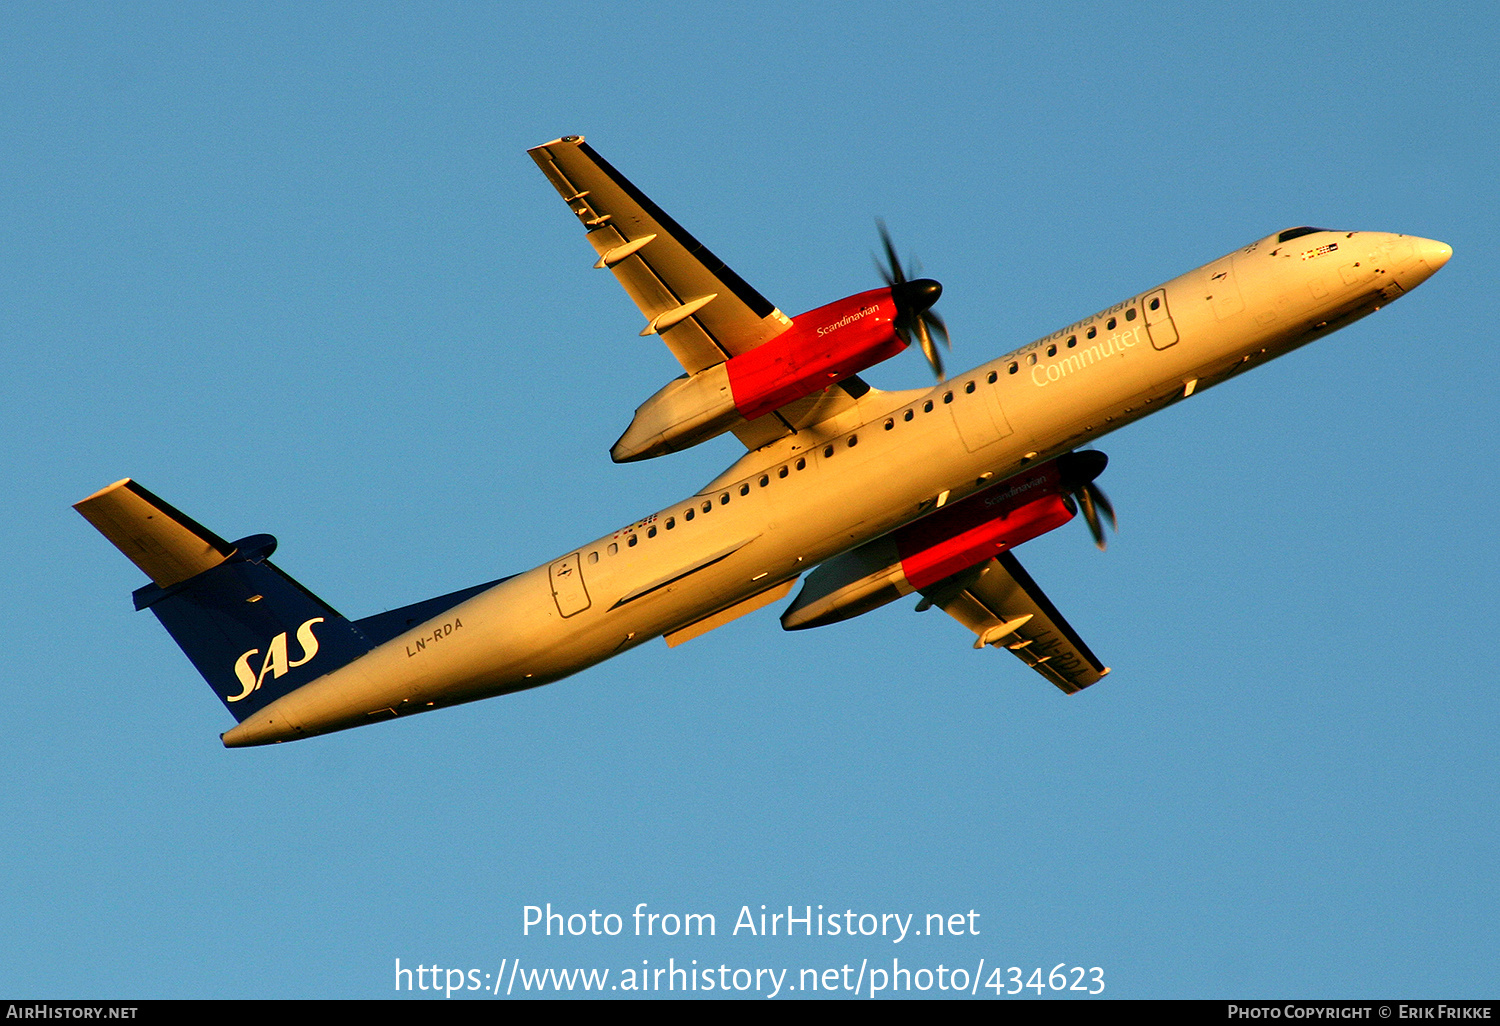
783,509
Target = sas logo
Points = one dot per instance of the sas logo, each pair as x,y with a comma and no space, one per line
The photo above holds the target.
275,662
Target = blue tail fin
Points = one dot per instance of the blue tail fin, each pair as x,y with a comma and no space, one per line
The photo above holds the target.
253,632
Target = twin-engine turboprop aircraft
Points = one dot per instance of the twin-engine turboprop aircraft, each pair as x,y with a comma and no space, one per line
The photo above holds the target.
884,493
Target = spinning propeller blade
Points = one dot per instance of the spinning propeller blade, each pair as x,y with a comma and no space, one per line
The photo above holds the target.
1078,471
914,299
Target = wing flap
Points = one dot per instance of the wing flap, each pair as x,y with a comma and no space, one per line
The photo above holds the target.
702,309
1003,606
799,414
700,627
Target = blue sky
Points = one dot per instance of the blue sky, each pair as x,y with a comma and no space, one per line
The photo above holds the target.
290,267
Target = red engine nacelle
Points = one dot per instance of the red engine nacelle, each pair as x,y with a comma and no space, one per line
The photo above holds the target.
822,346
982,526
933,549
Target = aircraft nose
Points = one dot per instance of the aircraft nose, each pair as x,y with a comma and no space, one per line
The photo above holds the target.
1433,253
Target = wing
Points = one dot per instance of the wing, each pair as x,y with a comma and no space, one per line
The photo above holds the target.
702,310
1003,606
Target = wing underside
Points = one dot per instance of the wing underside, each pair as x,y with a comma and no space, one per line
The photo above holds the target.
703,311
1003,606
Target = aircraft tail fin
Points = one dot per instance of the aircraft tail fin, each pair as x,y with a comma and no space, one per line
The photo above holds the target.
254,633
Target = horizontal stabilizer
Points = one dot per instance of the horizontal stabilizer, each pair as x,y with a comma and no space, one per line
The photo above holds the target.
166,544
252,631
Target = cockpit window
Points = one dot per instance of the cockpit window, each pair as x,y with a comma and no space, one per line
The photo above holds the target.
1297,233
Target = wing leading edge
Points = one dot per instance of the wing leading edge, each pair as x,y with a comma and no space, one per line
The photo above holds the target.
1003,606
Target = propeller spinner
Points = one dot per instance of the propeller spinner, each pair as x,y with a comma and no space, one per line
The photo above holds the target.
914,299
1078,471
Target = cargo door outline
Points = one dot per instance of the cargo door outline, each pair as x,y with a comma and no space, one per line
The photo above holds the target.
979,417
1159,320
568,590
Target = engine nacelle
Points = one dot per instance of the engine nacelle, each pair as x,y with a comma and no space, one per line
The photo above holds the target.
689,410
821,347
932,549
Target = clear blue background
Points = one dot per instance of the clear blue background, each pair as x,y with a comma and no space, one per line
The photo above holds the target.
289,266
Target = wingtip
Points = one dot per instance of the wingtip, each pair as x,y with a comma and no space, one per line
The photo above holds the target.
103,491
570,140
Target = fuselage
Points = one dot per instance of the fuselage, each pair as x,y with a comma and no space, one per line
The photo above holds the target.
782,509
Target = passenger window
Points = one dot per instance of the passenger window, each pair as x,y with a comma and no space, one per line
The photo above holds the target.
1092,332
1130,314
631,541
765,479
708,505
890,422
593,557
1031,359
909,415
671,523
827,451
1072,341
651,531
947,397
853,441
781,472
687,514
1110,324
801,464
1155,304
613,548
744,489
969,387
724,499
1052,349
992,377
927,406
1015,367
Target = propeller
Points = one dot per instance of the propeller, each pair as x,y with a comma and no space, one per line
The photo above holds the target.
914,298
1078,470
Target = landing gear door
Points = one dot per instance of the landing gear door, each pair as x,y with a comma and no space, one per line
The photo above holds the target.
567,585
1159,320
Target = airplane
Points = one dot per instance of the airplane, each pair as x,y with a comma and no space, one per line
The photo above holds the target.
875,495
